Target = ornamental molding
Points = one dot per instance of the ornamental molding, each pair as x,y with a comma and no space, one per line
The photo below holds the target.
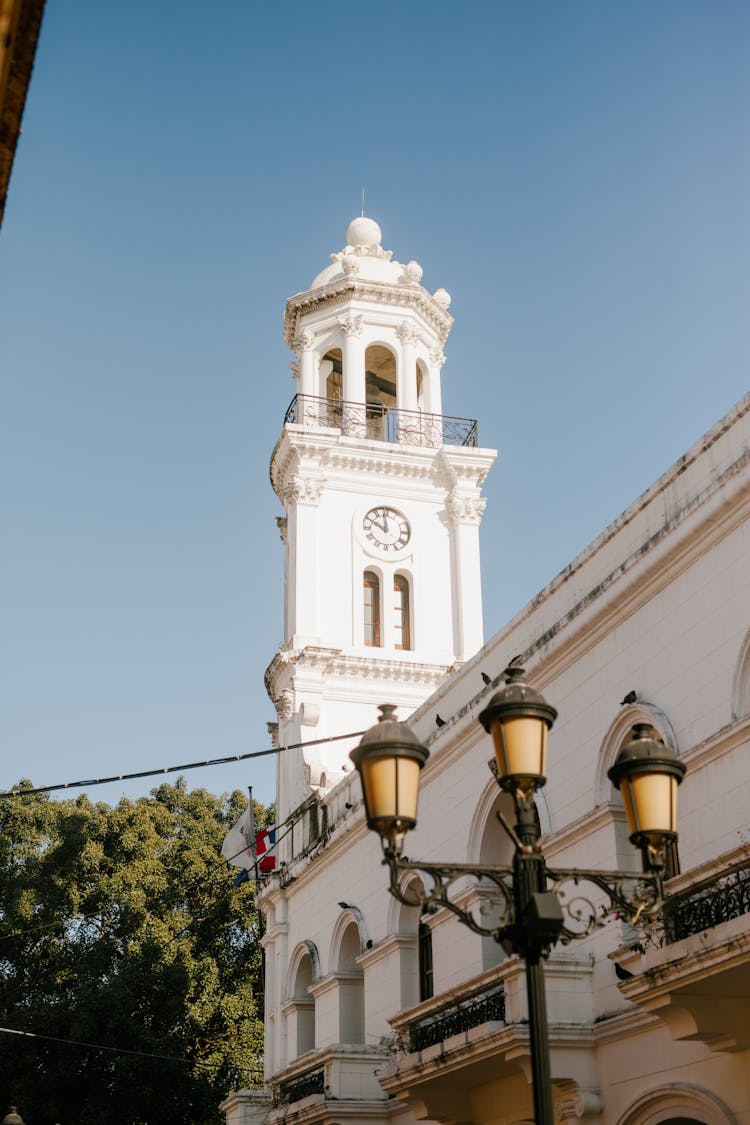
284,704
351,325
464,466
303,490
332,662
304,341
576,1103
466,509
300,451
387,669
346,289
437,357
407,333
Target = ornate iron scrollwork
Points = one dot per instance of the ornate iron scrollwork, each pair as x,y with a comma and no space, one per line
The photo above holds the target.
382,423
633,896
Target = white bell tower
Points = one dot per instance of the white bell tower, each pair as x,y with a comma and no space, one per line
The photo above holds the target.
381,495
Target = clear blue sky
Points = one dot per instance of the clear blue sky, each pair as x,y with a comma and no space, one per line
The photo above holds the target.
576,174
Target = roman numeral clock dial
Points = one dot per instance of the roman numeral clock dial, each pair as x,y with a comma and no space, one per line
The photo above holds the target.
386,529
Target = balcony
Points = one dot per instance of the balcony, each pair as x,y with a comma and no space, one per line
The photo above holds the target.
324,1085
382,423
299,1087
698,979
706,904
456,1017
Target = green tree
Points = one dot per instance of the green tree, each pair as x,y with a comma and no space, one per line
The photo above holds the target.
124,927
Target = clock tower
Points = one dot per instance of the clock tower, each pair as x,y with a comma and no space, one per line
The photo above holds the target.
382,506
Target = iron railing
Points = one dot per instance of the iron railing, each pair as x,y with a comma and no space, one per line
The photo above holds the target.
295,1089
381,423
707,904
461,1015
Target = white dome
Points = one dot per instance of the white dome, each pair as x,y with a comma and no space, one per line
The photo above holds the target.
362,257
363,232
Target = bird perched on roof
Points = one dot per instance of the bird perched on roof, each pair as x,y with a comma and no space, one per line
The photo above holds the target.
439,722
622,973
487,680
631,697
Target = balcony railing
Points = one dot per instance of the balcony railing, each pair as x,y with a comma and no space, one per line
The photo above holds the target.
458,1016
295,1089
707,904
381,423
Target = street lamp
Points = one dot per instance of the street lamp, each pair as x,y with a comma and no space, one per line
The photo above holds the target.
534,906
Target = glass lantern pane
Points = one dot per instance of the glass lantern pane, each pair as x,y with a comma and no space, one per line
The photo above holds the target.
653,799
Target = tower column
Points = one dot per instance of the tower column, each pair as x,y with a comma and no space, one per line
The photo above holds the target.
407,368
468,629
353,363
304,347
302,496
437,359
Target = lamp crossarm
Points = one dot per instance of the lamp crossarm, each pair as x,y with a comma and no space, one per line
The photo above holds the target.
494,883
636,897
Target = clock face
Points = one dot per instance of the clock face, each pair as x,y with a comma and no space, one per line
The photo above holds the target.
386,529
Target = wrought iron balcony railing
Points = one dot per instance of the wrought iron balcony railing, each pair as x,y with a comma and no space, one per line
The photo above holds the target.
458,1016
295,1089
381,423
707,904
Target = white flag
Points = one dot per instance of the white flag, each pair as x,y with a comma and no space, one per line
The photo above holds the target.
239,843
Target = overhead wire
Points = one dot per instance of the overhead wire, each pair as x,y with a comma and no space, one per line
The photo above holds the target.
121,1050
92,781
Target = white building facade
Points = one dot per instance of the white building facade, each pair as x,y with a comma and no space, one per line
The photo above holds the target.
373,1013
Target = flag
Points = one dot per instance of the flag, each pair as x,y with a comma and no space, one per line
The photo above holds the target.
239,843
265,842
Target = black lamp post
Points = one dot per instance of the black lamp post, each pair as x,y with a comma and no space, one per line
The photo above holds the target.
389,759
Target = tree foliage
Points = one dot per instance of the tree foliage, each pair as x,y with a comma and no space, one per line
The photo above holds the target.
123,927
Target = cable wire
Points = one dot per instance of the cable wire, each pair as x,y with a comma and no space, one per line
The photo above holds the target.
120,1050
92,781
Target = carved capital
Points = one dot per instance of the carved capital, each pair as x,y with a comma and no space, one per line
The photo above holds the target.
577,1104
273,732
350,325
466,509
304,341
300,490
295,366
281,523
437,357
407,333
284,705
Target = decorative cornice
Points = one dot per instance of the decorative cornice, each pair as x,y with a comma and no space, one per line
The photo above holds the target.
383,668
331,662
345,289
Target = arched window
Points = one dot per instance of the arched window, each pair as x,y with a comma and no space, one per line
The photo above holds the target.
351,989
426,972
401,609
304,1006
371,608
